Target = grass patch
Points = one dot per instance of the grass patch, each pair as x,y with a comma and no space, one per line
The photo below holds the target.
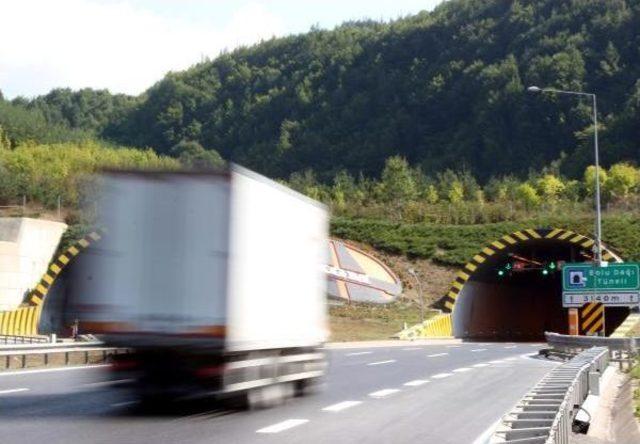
635,331
363,322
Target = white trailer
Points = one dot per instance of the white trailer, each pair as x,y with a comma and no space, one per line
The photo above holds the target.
214,279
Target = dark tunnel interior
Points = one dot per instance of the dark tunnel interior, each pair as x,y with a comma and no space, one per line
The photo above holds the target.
516,294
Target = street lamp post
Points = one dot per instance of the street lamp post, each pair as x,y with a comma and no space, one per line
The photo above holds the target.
598,244
413,273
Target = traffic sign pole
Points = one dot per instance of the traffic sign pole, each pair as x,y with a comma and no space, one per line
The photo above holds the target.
574,322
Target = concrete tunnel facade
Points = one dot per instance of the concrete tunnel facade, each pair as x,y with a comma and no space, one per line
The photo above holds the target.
520,306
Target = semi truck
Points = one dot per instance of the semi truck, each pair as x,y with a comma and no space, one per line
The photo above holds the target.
213,280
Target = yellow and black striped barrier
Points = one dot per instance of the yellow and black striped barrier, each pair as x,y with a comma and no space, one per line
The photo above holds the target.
448,301
592,318
38,294
439,326
24,320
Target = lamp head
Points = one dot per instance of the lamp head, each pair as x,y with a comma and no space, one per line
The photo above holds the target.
534,89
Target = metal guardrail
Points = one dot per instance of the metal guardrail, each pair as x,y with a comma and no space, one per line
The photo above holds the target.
56,355
14,339
48,345
621,350
545,414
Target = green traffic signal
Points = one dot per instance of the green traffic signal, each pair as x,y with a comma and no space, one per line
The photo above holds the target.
552,265
545,272
500,272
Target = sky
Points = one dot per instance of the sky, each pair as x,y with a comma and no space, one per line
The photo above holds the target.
127,45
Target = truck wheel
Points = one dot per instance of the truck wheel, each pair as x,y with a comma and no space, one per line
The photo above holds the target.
307,387
269,396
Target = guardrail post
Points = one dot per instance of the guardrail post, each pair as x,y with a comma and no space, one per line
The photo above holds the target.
594,383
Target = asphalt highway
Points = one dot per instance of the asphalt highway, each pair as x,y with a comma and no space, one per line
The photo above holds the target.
387,394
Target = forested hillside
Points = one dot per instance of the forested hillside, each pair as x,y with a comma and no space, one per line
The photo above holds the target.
445,89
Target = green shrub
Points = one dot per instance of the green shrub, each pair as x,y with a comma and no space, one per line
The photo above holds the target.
456,244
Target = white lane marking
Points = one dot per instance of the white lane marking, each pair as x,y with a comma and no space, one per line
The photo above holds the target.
341,406
442,375
388,361
123,404
479,349
511,359
462,370
6,392
511,346
486,435
281,426
435,355
416,382
382,393
412,348
482,364
57,369
453,346
107,383
359,353
497,361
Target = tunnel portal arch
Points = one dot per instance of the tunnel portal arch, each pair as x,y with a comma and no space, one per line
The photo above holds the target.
520,306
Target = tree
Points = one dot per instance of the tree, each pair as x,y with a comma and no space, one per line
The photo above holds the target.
590,179
339,99
550,187
527,195
193,155
456,192
431,194
621,179
574,190
398,183
5,143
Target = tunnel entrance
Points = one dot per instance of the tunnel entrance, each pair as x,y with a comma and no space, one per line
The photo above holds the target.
512,290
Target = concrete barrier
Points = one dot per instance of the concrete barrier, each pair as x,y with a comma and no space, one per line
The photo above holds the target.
26,248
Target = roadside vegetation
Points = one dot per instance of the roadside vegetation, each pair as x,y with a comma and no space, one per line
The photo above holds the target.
364,322
405,193
454,244
635,376
444,89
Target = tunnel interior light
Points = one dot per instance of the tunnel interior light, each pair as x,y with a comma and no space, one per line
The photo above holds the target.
505,269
